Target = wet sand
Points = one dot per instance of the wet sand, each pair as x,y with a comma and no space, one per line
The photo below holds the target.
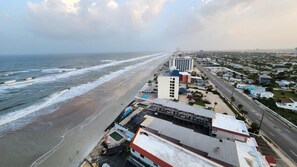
66,136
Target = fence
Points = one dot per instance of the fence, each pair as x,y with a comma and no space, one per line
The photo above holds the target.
276,114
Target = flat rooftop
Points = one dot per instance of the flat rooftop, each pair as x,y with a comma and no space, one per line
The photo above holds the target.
166,153
196,77
185,108
248,155
222,150
184,73
230,124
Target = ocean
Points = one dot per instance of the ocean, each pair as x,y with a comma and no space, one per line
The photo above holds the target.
33,86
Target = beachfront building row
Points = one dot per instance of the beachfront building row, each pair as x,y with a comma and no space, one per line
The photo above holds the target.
161,143
183,64
217,125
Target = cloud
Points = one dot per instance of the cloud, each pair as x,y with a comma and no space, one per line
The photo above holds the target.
228,24
93,18
112,5
118,25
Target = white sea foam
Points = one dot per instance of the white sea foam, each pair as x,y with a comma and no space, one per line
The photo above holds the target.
51,78
106,61
57,70
17,72
69,93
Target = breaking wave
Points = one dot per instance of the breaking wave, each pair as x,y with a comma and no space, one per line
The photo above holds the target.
62,96
70,73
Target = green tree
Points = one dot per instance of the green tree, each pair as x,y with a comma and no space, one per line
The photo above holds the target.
193,73
240,106
232,99
214,107
244,112
235,84
254,128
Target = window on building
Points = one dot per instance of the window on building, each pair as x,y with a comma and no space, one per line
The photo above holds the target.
141,156
133,150
155,164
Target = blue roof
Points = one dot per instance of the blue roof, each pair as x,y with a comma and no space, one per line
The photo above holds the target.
183,90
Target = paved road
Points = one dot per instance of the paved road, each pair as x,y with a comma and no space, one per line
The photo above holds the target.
281,134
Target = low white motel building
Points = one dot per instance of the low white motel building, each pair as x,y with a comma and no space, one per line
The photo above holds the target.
228,127
156,151
162,143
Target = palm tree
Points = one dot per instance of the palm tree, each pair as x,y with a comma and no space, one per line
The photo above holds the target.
232,99
240,106
244,112
214,107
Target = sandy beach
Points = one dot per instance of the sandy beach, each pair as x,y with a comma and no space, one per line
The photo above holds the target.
66,136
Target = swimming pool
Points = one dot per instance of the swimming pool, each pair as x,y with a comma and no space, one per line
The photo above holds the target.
145,96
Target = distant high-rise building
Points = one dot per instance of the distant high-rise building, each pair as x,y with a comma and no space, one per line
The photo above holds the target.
181,63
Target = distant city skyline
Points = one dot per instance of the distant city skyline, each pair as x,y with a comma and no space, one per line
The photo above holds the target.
76,26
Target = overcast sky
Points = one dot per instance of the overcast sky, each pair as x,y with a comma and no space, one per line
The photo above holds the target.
78,26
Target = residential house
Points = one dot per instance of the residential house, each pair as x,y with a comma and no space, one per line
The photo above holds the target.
288,103
283,83
264,79
261,94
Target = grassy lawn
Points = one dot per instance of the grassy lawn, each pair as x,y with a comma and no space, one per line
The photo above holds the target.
116,136
200,103
278,94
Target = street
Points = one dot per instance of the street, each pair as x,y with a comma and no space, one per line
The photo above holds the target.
280,133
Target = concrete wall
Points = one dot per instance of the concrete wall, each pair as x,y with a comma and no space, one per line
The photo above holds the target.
229,136
144,160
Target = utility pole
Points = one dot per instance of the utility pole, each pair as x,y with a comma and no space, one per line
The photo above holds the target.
232,92
261,119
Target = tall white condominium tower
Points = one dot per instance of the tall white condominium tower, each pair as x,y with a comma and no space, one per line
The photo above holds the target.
181,63
168,87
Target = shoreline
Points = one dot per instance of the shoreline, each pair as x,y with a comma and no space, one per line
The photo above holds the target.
76,119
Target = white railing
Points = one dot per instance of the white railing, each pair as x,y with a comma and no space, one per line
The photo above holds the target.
276,114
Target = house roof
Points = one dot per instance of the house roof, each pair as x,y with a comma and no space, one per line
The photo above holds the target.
270,159
185,108
230,124
294,99
165,153
265,76
286,100
227,149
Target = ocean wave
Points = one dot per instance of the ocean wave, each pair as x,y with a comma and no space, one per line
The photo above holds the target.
10,73
51,78
106,61
57,70
67,94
